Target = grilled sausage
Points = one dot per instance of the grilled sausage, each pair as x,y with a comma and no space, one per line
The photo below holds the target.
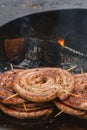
6,89
43,84
24,115
79,101
68,110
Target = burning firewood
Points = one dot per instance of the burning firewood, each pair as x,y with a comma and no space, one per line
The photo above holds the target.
62,43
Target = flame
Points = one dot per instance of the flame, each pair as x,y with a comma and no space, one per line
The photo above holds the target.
61,42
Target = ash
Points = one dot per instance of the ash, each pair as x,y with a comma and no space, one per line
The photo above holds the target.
68,61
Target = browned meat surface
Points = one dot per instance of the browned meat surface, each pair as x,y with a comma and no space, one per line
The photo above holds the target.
79,99
6,90
68,110
43,84
34,88
67,85
24,114
30,106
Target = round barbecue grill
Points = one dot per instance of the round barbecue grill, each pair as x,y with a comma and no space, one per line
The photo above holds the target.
30,32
